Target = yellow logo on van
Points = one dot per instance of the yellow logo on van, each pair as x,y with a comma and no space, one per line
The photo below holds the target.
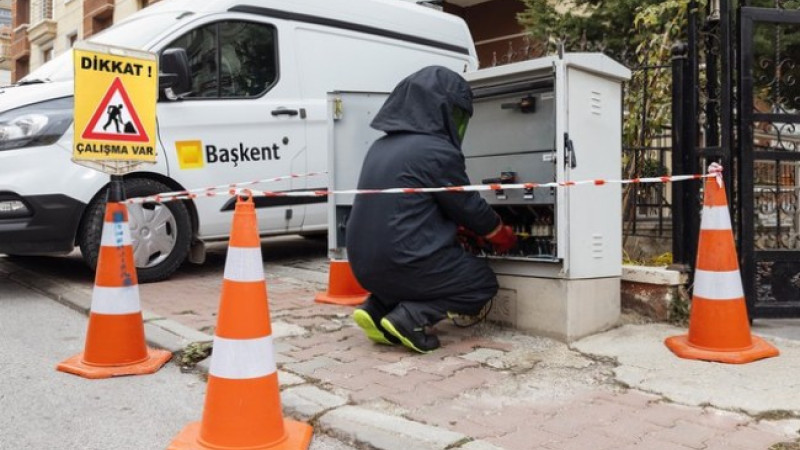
190,154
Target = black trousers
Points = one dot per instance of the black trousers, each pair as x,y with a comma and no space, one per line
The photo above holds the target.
429,291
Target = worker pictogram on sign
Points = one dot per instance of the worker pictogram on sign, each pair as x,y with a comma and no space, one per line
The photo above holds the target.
115,118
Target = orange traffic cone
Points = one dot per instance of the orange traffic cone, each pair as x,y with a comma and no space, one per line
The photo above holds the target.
343,288
115,342
719,329
243,405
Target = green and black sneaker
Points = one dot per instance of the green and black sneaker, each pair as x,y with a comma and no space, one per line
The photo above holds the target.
400,324
367,316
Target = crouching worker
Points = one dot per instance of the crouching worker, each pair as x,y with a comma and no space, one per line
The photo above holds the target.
403,248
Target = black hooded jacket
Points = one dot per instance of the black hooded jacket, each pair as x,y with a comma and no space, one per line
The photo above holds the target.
393,235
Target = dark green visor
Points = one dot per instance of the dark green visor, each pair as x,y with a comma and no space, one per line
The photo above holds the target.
461,120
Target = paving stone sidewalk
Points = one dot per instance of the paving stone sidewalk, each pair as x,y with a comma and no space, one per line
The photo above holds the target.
488,387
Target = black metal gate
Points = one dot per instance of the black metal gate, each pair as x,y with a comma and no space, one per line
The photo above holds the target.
769,159
736,88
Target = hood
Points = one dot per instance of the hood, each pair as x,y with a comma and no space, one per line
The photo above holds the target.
423,103
17,96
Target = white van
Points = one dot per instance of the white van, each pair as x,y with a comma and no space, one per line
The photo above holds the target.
253,77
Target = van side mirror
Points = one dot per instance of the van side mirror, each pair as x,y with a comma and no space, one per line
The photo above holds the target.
174,76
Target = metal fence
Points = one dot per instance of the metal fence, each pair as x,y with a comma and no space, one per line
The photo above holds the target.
647,152
648,209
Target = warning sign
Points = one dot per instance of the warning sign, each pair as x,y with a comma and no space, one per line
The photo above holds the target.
115,107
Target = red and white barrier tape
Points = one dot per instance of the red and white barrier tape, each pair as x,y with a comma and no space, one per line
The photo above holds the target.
215,190
715,169
470,188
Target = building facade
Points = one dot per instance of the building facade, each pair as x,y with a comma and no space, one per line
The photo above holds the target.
5,42
42,29
499,38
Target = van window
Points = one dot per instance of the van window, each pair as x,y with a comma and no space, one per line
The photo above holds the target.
230,59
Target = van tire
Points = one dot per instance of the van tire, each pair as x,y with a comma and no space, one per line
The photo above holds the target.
178,229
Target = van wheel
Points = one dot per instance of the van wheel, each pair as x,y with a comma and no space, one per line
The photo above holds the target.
161,232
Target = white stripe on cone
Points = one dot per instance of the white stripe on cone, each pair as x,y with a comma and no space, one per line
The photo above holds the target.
718,285
115,300
241,359
115,234
244,264
715,218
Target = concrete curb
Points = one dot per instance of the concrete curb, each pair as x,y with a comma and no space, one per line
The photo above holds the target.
328,412
385,431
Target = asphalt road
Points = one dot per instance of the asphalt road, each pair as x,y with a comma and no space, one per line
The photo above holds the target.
46,409
43,409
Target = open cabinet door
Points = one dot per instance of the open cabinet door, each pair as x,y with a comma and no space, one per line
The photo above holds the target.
592,150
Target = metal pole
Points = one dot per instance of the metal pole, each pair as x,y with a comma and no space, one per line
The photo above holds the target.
679,147
116,190
746,195
691,192
727,66
640,154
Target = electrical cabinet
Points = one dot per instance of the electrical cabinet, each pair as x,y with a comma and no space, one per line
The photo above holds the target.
552,119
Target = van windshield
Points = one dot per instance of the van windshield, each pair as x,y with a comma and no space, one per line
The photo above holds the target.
134,33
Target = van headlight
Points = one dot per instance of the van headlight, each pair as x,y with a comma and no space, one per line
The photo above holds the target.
38,124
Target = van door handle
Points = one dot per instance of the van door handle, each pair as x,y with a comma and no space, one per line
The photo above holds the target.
285,112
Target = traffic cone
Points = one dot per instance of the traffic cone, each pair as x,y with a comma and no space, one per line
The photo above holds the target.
243,405
343,288
115,343
719,329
